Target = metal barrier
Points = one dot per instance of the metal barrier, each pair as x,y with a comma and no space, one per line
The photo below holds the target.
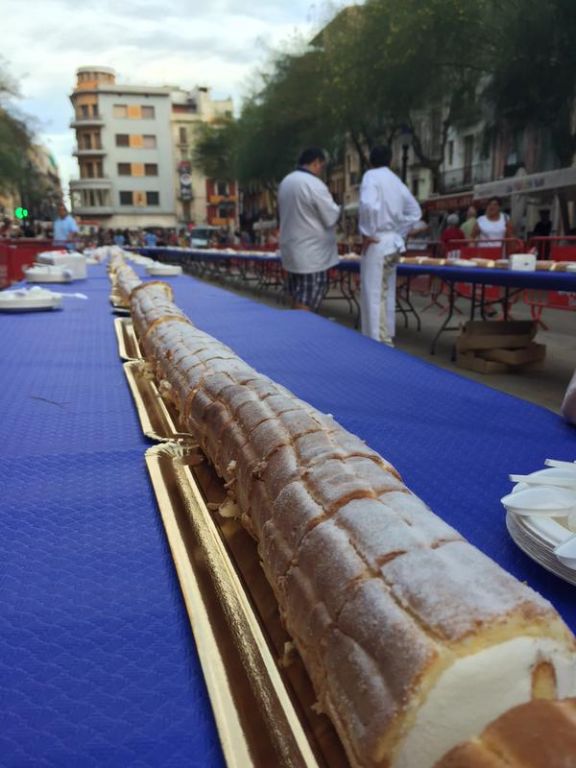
554,248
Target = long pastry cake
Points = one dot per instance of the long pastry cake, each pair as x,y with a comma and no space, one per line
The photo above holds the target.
540,734
413,639
125,280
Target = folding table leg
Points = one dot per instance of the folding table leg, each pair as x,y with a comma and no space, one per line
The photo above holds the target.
445,324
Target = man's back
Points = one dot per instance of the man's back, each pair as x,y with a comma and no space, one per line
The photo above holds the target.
386,203
308,217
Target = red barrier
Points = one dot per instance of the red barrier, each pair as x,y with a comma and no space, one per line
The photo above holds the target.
556,248
16,254
468,249
4,264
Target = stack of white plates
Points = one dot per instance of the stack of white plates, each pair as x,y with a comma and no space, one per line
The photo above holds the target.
541,517
538,537
47,273
29,300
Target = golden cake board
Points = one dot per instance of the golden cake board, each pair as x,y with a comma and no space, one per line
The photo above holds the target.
264,709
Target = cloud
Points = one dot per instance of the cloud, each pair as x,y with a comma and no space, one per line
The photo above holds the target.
217,43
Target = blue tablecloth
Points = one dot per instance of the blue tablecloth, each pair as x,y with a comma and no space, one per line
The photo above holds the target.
98,666
97,662
539,280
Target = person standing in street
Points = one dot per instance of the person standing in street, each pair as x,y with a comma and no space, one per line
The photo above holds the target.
65,229
493,228
470,223
308,217
388,213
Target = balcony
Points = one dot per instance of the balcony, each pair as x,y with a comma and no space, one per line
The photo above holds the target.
460,179
85,122
84,151
93,210
101,182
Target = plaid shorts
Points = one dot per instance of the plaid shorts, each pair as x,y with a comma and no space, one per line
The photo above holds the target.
308,289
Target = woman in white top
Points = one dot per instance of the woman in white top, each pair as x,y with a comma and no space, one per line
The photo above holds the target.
491,229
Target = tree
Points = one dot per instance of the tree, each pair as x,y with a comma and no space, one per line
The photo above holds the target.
534,70
215,149
15,137
424,64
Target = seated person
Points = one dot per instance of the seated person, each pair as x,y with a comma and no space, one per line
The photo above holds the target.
452,237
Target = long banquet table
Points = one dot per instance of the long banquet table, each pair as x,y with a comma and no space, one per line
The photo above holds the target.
98,666
265,270
538,280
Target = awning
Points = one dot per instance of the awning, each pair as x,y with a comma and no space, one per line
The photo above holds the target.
448,202
546,181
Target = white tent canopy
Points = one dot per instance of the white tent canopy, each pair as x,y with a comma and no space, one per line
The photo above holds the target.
533,183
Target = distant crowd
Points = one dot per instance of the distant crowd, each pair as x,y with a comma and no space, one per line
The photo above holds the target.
135,237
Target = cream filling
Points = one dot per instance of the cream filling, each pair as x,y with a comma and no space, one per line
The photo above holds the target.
475,691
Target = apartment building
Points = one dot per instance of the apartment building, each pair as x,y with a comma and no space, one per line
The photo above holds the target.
124,150
199,200
135,150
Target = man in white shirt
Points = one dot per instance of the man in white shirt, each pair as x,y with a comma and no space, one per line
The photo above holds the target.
308,217
65,229
388,212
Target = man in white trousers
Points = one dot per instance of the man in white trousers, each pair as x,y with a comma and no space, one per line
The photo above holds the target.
388,212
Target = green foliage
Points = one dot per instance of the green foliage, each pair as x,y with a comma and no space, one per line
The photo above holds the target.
534,69
14,145
15,138
214,151
378,69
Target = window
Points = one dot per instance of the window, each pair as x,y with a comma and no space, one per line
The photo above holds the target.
150,169
152,198
149,142
222,187
183,135
124,169
120,110
450,153
122,140
148,113
415,186
83,111
224,212
125,198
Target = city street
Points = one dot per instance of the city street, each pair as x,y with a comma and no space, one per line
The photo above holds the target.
288,313
545,384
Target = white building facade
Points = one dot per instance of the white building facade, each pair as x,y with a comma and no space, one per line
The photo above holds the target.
135,150
191,109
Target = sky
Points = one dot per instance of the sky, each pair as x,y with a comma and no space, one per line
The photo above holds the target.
216,43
